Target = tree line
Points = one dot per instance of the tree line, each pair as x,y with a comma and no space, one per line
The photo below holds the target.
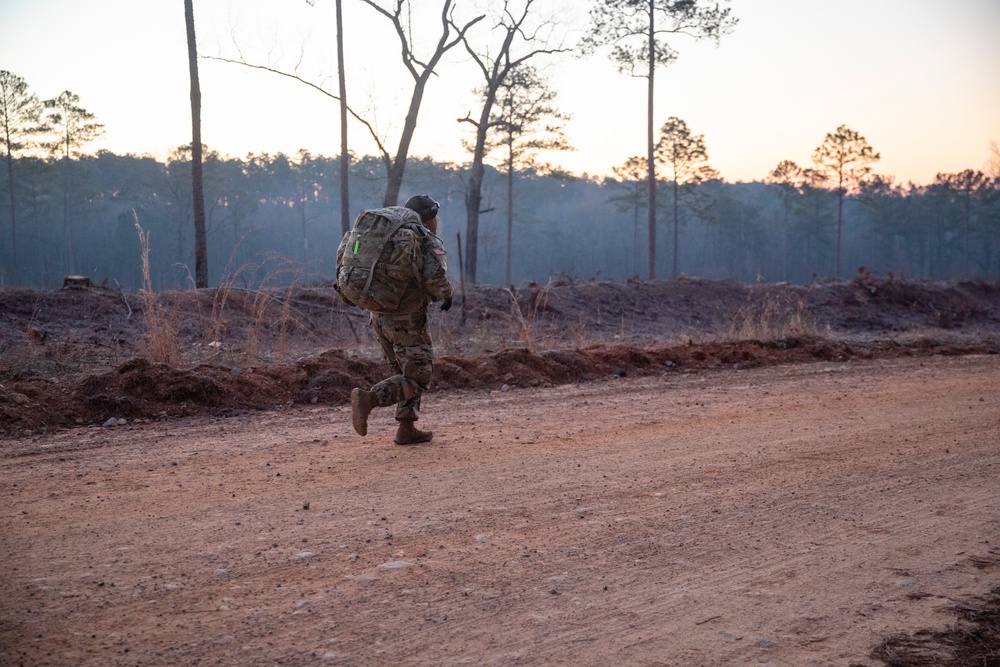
58,127
672,186
272,219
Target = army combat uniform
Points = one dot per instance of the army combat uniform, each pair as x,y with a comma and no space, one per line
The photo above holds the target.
404,335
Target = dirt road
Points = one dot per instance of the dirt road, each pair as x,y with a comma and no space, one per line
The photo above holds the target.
793,515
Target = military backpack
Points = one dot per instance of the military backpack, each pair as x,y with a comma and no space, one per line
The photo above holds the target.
377,259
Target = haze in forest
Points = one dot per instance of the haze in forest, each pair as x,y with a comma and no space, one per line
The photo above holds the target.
782,151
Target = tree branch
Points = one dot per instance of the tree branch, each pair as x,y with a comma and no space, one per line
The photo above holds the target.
296,77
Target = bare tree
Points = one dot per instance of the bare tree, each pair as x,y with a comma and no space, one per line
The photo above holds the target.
637,31
197,181
685,155
520,41
420,70
523,123
72,127
20,113
845,158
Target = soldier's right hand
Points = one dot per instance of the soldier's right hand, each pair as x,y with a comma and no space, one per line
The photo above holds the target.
446,304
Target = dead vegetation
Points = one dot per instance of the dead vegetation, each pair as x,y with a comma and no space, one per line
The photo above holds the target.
775,315
82,356
972,641
161,336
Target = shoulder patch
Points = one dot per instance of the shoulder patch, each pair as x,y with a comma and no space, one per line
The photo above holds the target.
439,251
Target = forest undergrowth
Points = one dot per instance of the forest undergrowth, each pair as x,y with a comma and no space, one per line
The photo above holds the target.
83,355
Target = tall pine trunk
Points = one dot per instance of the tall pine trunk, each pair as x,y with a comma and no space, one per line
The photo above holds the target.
345,156
510,208
13,214
197,180
677,220
67,217
650,158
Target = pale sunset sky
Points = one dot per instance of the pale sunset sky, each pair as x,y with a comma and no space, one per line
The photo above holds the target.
919,79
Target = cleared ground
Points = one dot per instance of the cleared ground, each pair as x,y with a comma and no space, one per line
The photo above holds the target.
789,515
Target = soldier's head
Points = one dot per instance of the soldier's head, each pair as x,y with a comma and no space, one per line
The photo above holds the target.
426,208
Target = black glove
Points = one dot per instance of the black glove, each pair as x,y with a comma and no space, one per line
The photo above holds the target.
446,304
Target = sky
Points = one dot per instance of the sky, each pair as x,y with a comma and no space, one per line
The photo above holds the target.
919,79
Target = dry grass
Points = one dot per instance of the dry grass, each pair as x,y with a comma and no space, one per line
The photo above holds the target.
521,326
266,314
262,313
251,316
32,360
775,316
523,321
485,337
161,335
270,312
525,327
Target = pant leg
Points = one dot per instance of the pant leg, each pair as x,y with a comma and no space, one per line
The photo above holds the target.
385,343
406,341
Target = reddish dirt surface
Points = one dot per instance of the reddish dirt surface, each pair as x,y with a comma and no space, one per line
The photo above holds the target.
662,494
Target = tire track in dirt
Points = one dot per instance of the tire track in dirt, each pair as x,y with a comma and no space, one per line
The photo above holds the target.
775,515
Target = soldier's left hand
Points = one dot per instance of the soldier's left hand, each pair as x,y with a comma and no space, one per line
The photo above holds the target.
446,304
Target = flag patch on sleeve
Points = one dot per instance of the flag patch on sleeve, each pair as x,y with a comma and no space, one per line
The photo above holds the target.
439,251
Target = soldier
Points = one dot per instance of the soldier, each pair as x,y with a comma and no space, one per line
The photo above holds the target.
403,333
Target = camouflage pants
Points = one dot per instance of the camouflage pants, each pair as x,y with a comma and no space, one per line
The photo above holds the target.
406,344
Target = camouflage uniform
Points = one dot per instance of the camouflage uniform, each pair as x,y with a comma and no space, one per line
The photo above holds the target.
405,336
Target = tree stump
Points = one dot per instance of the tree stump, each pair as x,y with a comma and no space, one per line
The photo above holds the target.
76,282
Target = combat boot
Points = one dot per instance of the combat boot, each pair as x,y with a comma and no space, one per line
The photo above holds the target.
362,403
407,433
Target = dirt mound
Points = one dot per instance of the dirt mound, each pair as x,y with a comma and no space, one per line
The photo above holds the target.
866,304
141,390
79,357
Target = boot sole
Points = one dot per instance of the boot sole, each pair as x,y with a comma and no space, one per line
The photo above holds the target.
415,441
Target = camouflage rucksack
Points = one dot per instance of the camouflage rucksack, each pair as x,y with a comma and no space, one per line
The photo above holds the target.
376,259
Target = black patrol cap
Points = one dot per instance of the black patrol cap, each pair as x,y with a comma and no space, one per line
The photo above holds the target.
426,207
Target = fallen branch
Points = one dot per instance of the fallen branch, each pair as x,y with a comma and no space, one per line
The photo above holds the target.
125,299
